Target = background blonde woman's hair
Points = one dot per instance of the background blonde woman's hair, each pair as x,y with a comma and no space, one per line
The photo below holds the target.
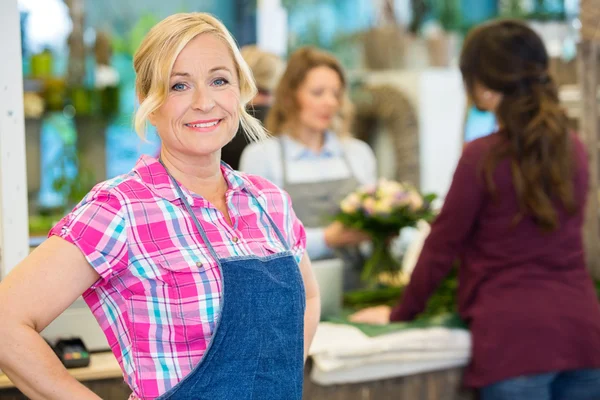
266,67
283,116
154,60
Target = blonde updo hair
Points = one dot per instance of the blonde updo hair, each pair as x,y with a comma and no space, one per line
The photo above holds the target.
266,67
153,63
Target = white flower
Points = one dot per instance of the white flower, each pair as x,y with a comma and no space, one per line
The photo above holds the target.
351,203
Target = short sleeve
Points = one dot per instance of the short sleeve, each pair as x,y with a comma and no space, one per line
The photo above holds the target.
97,227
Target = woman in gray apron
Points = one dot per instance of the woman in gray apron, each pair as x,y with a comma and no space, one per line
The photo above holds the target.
312,157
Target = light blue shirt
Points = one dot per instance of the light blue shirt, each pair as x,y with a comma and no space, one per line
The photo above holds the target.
304,165
479,124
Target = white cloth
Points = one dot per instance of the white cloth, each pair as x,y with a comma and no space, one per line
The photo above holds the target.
343,354
303,165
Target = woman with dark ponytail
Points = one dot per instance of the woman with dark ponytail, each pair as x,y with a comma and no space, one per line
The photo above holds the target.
514,217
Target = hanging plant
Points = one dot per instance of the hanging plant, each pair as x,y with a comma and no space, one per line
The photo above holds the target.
448,14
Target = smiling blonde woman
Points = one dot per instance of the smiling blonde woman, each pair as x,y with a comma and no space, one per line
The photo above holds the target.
196,273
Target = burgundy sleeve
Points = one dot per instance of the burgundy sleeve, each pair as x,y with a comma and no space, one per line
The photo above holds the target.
448,233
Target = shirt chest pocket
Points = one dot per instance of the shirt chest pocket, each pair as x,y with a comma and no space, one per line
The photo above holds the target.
181,273
272,248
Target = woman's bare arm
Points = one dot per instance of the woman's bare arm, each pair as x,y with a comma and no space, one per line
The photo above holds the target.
312,314
37,291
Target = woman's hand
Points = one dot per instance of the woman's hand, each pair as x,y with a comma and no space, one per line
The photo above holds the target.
379,315
338,235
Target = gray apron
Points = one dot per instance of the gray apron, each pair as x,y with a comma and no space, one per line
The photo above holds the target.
315,204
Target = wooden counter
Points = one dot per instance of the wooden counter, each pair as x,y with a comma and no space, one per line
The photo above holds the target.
103,376
435,385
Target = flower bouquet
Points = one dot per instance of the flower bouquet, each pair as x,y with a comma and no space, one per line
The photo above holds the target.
382,210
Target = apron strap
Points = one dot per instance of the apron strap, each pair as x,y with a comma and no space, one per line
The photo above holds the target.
273,224
191,212
199,226
347,161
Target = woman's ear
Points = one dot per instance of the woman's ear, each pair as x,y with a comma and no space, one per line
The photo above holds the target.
494,99
150,117
485,98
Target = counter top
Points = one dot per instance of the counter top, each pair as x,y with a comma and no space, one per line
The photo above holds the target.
102,366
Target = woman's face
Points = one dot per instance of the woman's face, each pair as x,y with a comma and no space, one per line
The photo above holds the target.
319,98
201,112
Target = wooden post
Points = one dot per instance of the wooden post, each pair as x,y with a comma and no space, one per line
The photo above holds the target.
588,56
589,51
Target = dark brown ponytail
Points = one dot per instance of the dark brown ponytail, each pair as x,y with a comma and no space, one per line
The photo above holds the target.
508,57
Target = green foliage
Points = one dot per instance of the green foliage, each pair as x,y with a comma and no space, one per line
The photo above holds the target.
40,225
363,298
443,300
72,186
129,43
448,14
541,12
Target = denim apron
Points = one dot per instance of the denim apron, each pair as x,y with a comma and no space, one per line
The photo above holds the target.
257,348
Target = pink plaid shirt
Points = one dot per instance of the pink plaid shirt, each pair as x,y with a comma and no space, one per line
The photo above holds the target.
159,293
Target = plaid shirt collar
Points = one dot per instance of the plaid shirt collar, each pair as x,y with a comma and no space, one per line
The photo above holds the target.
155,177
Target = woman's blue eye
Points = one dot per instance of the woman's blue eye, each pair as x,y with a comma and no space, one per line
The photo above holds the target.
178,87
220,82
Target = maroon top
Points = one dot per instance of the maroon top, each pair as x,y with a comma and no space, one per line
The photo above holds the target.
527,296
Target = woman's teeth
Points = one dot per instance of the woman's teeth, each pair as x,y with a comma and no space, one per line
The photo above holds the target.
205,125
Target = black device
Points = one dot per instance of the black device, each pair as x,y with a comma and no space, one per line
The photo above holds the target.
72,352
